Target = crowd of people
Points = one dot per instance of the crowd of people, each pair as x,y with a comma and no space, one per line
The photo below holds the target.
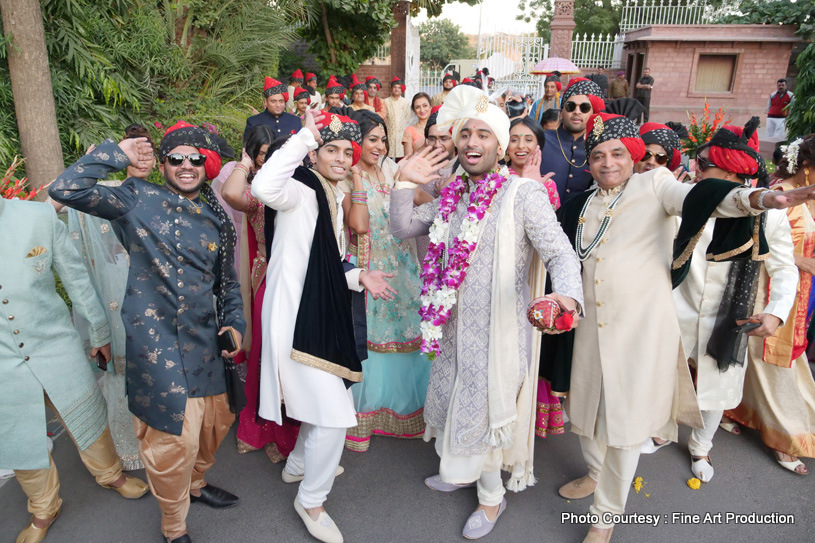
376,266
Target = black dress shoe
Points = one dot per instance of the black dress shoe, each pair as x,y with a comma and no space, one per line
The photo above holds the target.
215,497
183,539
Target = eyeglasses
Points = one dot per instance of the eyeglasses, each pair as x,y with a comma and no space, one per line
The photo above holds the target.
431,140
585,107
661,158
177,159
703,164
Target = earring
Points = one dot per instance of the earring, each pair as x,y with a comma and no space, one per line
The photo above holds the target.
806,177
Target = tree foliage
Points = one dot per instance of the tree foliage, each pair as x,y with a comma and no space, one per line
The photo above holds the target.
345,33
122,61
800,13
442,41
801,119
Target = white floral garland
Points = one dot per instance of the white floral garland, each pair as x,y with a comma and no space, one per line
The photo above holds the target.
791,154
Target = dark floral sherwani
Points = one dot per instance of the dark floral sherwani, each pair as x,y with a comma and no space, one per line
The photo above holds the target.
168,309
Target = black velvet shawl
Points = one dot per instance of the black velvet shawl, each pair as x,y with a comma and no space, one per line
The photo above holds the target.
324,331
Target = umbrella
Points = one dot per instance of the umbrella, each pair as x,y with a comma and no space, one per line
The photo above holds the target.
551,64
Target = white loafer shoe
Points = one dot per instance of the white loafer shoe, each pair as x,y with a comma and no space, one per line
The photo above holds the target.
289,478
323,528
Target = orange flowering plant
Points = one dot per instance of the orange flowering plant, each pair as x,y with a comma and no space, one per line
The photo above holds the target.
700,132
12,188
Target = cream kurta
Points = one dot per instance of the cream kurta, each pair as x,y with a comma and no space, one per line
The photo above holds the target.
311,395
628,348
697,302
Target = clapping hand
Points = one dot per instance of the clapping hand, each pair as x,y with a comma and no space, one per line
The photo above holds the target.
423,167
374,282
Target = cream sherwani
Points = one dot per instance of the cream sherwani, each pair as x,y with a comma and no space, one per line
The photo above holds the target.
628,349
311,395
697,302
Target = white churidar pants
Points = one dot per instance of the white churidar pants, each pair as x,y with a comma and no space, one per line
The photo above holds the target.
316,455
701,439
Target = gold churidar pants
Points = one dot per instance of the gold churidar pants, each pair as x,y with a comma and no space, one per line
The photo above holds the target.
177,464
42,485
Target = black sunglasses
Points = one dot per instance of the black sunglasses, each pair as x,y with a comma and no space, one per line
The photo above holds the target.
661,158
585,107
703,164
177,159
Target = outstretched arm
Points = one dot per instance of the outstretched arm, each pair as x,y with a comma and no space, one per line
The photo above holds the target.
77,186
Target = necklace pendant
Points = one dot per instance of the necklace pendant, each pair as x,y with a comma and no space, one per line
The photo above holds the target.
197,210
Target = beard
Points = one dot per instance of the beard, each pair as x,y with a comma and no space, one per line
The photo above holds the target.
184,191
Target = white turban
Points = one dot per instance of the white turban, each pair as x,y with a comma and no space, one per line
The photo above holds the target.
464,103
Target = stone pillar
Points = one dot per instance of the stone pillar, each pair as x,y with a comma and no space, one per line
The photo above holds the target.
398,38
562,26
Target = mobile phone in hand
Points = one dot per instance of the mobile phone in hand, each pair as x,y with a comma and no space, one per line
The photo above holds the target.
101,363
746,327
227,341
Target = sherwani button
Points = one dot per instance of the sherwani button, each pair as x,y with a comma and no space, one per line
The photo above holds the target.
701,314
176,221
27,358
179,209
180,311
178,232
5,302
178,246
599,304
180,258
21,345
180,284
181,298
180,271
11,317
568,190
598,281
601,324
16,332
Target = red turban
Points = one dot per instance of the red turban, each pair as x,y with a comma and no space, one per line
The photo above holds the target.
587,87
273,86
734,160
398,81
296,76
183,133
604,127
664,136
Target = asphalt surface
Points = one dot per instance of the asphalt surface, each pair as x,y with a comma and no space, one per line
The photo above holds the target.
381,498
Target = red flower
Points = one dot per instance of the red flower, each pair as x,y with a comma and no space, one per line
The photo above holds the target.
564,321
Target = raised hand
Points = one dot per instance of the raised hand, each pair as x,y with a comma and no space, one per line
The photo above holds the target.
138,150
532,168
681,174
313,120
374,282
423,167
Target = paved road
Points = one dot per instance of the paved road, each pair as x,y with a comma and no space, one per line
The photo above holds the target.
381,498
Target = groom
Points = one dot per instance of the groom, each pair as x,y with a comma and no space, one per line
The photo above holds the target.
480,400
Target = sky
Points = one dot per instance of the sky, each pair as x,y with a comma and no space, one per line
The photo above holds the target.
497,16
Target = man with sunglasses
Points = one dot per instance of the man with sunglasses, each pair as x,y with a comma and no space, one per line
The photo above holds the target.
621,367
662,149
565,151
731,155
181,261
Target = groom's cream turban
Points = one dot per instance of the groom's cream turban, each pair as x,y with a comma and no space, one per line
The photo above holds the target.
464,103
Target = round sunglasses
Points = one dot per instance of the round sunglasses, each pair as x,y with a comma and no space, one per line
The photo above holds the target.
661,158
585,107
177,159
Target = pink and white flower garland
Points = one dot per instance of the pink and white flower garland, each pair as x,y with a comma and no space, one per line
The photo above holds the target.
440,282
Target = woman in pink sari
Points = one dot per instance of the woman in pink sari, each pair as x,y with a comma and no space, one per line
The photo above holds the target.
526,140
255,433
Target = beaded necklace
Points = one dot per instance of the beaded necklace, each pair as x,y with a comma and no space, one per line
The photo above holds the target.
584,252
